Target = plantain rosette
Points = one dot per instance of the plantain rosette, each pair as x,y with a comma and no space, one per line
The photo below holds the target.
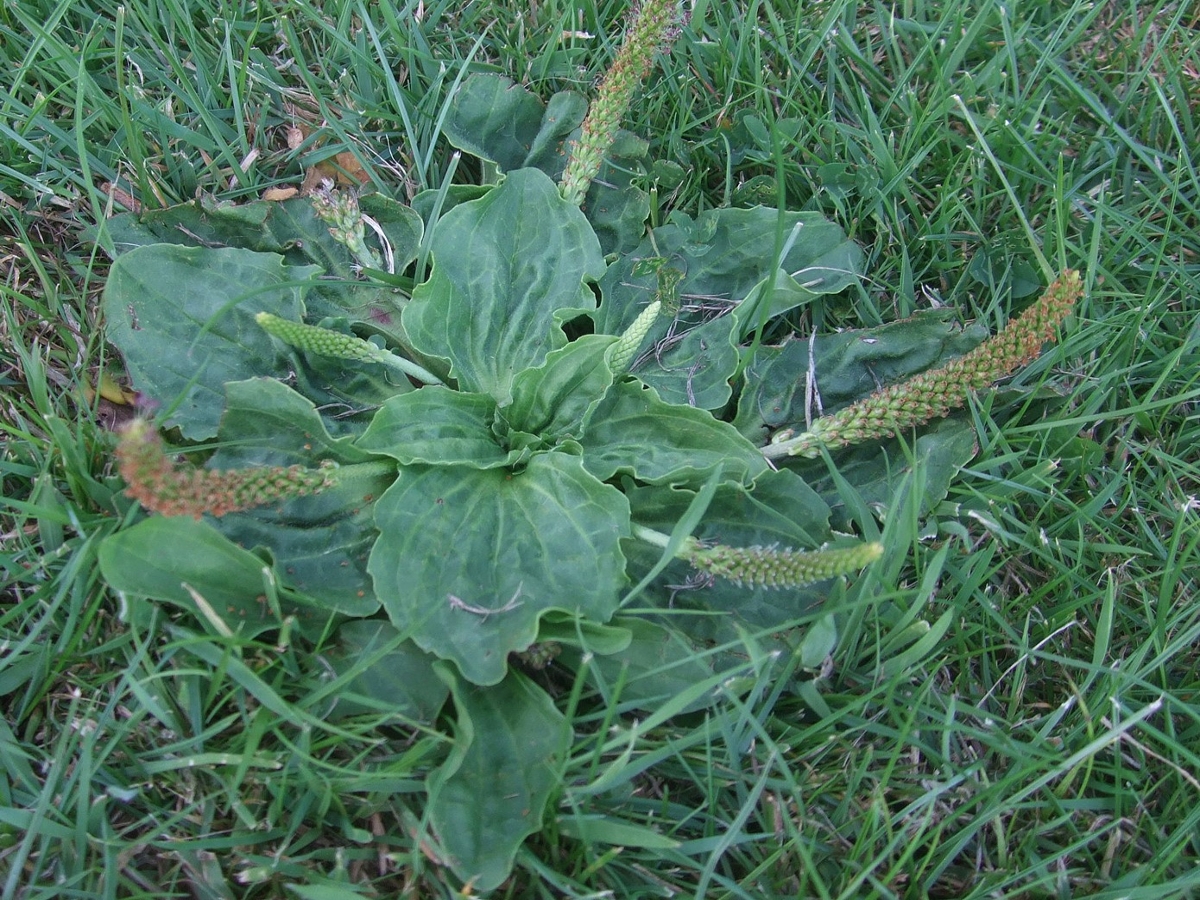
515,492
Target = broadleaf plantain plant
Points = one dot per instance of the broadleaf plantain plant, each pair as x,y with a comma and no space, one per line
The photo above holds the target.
461,479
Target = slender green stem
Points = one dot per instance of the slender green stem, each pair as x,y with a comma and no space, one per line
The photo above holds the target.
406,367
650,536
340,474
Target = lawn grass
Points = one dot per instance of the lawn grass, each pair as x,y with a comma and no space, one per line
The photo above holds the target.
1013,703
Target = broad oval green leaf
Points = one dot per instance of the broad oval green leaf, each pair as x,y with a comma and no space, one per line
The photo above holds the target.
726,257
319,545
468,559
506,266
634,432
346,392
589,636
694,367
290,228
879,472
492,792
268,423
616,203
437,426
386,673
400,224
553,399
497,119
656,664
183,319
161,558
435,202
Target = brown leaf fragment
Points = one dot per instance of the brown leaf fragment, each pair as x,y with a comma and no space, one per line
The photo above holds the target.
121,197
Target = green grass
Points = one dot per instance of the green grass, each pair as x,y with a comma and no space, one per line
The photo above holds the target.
1042,740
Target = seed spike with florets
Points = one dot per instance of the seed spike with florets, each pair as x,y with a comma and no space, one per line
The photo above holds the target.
316,340
160,486
774,568
654,26
319,341
340,211
935,393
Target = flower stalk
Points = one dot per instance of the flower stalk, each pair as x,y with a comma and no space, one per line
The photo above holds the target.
655,26
326,342
163,487
768,567
935,393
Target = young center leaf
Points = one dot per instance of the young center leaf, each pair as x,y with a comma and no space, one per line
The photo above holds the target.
437,426
497,119
506,266
633,431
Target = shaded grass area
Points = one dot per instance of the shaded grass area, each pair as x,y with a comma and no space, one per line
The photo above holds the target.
1012,707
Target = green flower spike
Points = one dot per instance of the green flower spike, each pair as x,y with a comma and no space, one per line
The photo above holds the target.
622,353
937,392
768,567
774,568
155,482
326,342
655,26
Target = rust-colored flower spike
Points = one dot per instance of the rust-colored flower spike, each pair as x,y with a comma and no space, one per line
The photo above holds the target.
937,392
155,482
655,26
